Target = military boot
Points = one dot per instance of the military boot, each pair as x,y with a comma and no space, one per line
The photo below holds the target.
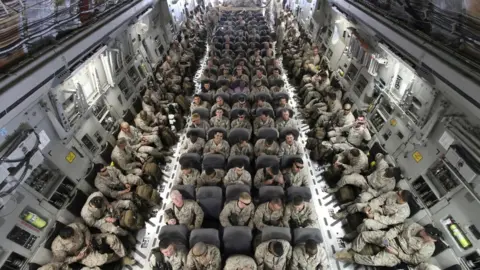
159,156
345,255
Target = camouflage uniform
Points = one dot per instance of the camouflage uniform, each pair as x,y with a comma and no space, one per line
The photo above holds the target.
126,161
134,139
223,122
190,214
258,123
299,179
223,148
225,107
112,184
232,178
301,260
212,260
374,185
95,258
304,218
241,262
266,260
266,217
197,147
202,104
333,108
203,125
246,150
261,148
97,217
241,124
261,176
290,149
356,164
258,90
188,179
403,238
206,180
281,124
177,261
265,105
242,217
238,105
355,137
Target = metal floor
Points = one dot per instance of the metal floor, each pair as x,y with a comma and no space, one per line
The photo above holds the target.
324,203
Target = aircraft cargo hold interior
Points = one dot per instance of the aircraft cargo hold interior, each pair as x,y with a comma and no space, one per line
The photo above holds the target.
224,134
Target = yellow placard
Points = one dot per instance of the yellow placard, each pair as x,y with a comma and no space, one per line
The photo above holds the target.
70,157
393,122
370,108
417,156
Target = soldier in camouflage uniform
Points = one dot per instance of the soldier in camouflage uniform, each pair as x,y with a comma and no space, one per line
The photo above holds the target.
242,148
239,75
275,76
283,103
266,146
217,145
299,214
188,176
138,141
297,175
198,103
149,108
173,254
269,214
259,77
124,157
242,104
145,123
204,256
261,104
113,184
220,121
181,211
74,244
237,175
269,176
290,147
242,122
285,121
309,256
99,213
240,262
193,144
238,212
273,254
225,76
211,177
220,104
197,122
263,120
257,88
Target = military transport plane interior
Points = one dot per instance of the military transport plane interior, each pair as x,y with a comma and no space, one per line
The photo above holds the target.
240,134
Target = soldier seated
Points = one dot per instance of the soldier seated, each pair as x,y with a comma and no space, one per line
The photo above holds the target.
237,176
99,213
352,161
266,146
388,209
269,176
269,214
219,120
125,158
285,121
181,211
409,242
242,122
264,120
238,212
197,122
242,148
341,121
204,256
297,175
173,254
145,123
241,88
193,144
356,135
309,256
140,142
217,145
299,214
188,175
211,177
74,243
240,262
220,104
113,184
290,147
273,254
283,103
261,104
198,103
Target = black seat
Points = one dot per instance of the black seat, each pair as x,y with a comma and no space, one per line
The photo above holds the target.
374,150
203,112
177,233
225,97
301,235
237,240
106,152
208,98
210,200
287,161
284,132
199,131
187,191
208,236
128,116
239,159
265,132
193,159
303,192
137,104
414,206
77,202
232,192
238,133
212,131
271,233
234,113
215,161
267,193
266,161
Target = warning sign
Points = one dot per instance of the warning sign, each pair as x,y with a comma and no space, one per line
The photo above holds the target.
70,157
417,156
